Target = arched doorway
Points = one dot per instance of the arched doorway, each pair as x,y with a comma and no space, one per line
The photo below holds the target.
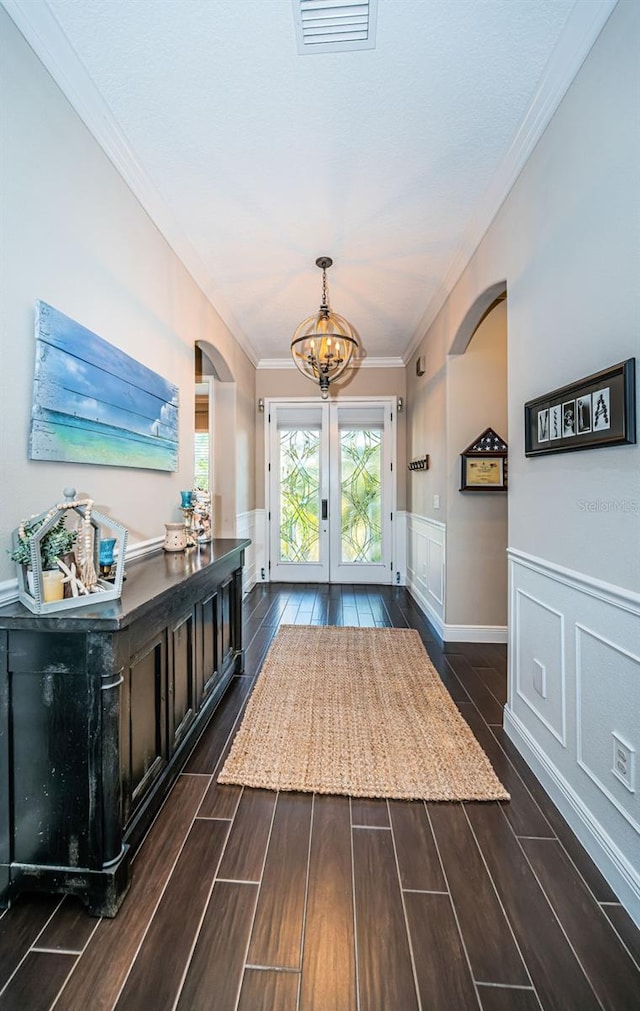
477,520
216,415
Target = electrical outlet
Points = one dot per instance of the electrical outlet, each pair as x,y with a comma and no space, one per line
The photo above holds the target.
624,763
540,678
436,501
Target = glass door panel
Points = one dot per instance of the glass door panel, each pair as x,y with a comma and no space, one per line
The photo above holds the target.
361,490
299,547
361,493
299,495
330,492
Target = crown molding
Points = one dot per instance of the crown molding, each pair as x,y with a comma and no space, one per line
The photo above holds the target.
582,28
41,29
391,362
394,362
275,363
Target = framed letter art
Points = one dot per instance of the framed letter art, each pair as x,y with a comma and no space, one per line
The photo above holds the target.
599,410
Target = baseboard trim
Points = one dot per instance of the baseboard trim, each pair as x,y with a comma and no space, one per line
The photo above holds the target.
458,633
476,633
249,581
607,856
432,615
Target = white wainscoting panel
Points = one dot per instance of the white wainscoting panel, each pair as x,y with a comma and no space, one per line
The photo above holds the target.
540,667
426,546
252,525
426,581
400,547
574,706
605,672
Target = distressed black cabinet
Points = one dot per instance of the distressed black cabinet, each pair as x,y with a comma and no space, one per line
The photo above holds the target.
99,710
182,678
143,722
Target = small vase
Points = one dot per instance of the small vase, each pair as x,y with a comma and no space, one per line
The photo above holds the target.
175,538
186,499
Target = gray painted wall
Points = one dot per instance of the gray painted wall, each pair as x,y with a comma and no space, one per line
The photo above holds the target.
74,235
476,587
567,241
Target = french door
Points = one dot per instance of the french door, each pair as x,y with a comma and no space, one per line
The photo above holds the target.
331,490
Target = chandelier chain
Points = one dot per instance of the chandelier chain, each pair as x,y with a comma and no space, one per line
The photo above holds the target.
324,289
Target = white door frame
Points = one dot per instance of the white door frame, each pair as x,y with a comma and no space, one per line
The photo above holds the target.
298,572
390,461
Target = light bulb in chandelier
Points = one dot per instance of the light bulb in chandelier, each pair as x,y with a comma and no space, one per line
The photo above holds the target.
324,343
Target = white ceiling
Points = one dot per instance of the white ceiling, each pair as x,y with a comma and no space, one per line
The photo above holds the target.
254,160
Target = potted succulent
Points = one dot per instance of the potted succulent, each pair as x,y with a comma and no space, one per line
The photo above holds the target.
55,544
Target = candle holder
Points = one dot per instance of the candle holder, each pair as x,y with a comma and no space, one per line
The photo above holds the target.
187,509
106,557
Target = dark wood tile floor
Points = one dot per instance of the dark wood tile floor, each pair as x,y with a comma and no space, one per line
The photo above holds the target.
244,900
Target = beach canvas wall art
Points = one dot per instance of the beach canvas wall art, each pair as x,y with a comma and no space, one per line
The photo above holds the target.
95,404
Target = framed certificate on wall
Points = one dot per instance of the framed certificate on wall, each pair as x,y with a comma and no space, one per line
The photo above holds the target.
484,464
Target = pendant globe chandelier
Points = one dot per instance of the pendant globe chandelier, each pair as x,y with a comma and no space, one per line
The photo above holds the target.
323,344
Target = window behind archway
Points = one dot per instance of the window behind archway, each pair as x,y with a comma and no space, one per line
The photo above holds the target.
202,426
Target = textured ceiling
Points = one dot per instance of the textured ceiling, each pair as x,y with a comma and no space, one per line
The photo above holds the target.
260,160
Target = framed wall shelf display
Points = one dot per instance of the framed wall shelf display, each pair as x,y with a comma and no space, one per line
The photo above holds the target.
484,463
599,410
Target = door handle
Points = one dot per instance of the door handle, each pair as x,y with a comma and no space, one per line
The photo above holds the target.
325,509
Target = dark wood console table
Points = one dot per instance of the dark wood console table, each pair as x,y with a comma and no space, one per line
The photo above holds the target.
99,709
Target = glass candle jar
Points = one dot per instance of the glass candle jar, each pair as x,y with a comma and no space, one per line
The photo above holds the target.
107,550
52,585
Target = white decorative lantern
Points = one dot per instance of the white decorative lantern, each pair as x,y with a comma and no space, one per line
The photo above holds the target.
82,575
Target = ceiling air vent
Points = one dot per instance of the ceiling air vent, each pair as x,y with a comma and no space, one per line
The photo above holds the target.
334,26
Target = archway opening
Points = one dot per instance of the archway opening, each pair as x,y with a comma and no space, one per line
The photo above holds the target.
477,520
215,420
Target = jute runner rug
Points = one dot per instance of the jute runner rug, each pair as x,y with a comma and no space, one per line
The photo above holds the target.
357,711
